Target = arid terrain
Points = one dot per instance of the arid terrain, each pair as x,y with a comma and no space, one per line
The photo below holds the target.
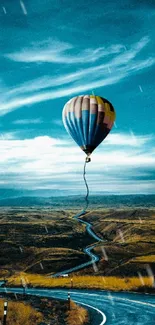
44,241
23,309
129,247
40,241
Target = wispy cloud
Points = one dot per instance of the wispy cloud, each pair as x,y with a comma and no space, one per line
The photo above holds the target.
60,52
28,121
57,122
17,102
45,162
8,136
57,52
112,71
127,139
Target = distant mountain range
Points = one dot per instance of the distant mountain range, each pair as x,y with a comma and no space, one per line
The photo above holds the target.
96,201
11,193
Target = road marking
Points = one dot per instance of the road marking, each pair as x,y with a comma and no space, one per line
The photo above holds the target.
57,292
98,310
77,293
114,297
137,302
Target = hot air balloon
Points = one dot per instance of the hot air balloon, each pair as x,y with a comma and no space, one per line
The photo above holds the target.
88,119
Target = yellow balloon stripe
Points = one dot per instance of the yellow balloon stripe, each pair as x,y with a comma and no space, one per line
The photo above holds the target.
99,100
106,105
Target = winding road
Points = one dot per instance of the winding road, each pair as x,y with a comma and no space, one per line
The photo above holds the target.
88,250
105,307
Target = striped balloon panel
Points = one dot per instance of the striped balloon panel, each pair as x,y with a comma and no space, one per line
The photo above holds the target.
78,119
85,117
104,121
88,119
70,127
71,131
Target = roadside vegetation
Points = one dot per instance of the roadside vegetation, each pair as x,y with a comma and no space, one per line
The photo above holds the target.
31,310
19,314
87,282
77,315
37,243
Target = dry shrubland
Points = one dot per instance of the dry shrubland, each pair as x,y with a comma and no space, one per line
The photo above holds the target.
85,281
76,315
24,311
20,313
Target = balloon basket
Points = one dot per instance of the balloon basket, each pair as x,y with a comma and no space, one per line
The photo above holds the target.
88,159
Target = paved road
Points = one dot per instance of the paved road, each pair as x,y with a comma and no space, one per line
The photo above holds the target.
88,225
105,307
88,250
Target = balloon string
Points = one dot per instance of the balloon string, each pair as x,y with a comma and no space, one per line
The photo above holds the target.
87,188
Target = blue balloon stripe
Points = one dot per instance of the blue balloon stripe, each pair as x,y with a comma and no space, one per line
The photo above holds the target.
85,124
71,117
75,131
80,130
77,107
92,126
70,129
86,119
100,135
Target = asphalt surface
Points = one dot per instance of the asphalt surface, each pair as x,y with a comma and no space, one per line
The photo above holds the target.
88,250
105,307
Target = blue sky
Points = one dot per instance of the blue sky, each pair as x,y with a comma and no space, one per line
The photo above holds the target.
54,50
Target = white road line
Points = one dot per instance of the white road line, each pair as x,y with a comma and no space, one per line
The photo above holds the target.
79,293
137,302
98,310
120,299
78,302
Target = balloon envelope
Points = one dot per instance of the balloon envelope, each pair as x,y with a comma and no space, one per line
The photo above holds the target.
88,119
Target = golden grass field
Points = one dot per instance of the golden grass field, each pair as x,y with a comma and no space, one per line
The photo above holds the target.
31,237
76,315
20,314
36,243
79,282
35,310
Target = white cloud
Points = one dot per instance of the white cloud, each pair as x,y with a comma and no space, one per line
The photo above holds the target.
125,139
8,135
130,54
113,70
57,122
55,52
60,52
40,51
15,103
28,121
45,162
